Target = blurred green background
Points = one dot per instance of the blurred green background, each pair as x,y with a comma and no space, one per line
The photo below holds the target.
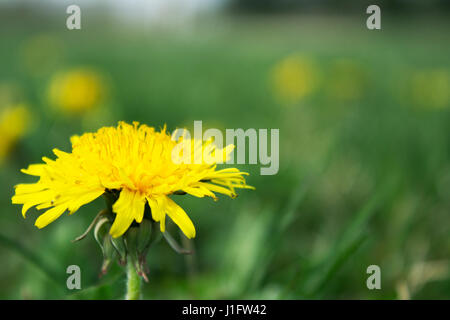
364,119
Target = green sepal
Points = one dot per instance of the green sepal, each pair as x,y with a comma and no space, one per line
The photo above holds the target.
138,240
119,245
144,235
101,230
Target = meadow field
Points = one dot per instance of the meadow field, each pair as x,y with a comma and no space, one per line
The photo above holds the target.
364,175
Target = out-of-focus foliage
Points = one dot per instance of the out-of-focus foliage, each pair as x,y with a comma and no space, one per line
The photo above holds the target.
334,6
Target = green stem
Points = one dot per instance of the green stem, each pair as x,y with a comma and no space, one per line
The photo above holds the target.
133,282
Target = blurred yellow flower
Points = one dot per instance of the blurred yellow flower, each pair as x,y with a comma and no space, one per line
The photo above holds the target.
41,54
430,88
14,122
294,78
133,164
77,90
347,80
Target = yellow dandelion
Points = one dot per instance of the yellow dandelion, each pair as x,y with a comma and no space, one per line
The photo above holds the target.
430,88
347,80
77,90
294,78
135,163
13,126
41,54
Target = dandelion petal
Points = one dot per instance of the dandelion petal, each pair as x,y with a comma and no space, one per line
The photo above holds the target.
129,207
179,216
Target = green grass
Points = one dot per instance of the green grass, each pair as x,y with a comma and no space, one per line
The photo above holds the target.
361,182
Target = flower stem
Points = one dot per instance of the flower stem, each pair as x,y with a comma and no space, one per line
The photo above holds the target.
133,282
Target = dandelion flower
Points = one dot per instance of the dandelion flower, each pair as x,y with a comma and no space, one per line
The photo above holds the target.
430,88
133,161
13,125
41,54
347,81
294,78
76,91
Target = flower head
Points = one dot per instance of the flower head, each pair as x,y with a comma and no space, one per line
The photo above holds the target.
348,80
77,90
41,53
430,88
133,161
13,125
294,78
